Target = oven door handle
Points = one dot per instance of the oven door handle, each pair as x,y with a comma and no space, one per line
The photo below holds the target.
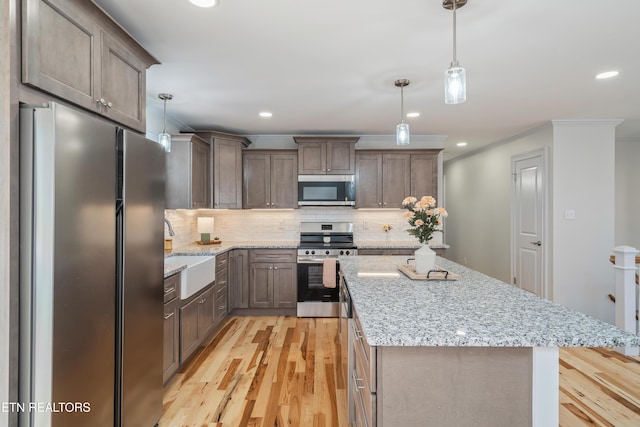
310,260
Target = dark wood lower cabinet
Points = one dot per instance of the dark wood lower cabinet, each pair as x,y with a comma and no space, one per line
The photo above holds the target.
273,285
273,279
238,279
171,341
197,320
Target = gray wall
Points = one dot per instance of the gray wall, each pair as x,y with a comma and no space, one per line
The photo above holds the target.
628,193
477,194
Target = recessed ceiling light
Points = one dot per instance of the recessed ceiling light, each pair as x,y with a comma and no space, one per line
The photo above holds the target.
607,74
204,3
416,114
265,114
461,144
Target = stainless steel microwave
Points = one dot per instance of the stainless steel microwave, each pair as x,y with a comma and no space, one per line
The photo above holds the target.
326,190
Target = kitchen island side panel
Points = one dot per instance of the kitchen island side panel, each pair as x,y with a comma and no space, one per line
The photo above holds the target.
454,386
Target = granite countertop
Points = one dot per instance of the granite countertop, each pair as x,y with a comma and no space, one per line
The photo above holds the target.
475,311
383,244
171,269
195,249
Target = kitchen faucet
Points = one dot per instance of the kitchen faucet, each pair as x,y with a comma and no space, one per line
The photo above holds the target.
171,232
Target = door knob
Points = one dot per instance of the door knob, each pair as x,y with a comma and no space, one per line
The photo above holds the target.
538,243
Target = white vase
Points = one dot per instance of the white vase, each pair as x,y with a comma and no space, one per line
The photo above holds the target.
425,259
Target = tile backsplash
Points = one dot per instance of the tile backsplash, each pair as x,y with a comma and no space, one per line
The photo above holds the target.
284,225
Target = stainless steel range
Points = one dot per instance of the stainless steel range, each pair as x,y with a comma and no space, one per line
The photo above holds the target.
320,240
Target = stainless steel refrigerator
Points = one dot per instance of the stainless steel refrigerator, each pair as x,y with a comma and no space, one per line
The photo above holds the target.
91,271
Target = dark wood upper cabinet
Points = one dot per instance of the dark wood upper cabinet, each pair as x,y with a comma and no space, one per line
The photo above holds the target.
326,155
73,50
270,179
226,164
424,175
188,173
385,177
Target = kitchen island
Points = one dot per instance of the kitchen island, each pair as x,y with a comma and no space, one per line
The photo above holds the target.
474,351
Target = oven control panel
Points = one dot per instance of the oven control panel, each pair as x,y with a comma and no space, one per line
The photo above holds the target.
310,254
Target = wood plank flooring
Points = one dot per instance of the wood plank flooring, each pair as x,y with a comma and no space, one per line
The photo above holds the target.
599,387
284,371
262,371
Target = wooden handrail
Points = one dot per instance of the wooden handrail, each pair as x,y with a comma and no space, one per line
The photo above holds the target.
613,298
612,258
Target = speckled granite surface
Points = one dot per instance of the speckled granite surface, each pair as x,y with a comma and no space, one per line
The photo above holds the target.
171,269
196,249
476,310
383,244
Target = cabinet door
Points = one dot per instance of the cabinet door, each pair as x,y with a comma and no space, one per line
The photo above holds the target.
256,182
261,285
368,180
171,341
312,158
239,279
341,158
396,179
122,84
424,175
61,51
221,287
189,338
285,285
227,181
284,181
206,313
200,190
221,308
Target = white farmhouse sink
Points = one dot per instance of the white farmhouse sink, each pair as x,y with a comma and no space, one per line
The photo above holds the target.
200,272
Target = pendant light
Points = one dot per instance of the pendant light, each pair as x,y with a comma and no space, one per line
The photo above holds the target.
164,138
455,80
402,130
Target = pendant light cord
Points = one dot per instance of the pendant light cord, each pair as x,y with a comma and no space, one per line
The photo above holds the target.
454,33
402,104
164,116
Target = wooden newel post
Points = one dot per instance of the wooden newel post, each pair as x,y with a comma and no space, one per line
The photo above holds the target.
626,303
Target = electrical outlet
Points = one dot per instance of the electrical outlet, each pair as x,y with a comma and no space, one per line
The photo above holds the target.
281,225
569,214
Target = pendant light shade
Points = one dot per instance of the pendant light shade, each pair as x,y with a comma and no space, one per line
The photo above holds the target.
455,84
455,77
402,130
164,138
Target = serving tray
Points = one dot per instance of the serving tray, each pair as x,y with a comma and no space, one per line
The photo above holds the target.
212,242
438,273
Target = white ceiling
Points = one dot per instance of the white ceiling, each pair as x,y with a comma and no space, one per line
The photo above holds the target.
328,67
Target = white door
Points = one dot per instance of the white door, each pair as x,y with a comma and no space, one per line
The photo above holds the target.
528,222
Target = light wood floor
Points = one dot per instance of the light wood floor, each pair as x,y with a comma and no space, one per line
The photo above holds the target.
284,371
262,371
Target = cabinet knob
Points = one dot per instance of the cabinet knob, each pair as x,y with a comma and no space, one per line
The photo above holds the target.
109,104
379,204
270,268
385,203
324,170
328,170
275,268
101,101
